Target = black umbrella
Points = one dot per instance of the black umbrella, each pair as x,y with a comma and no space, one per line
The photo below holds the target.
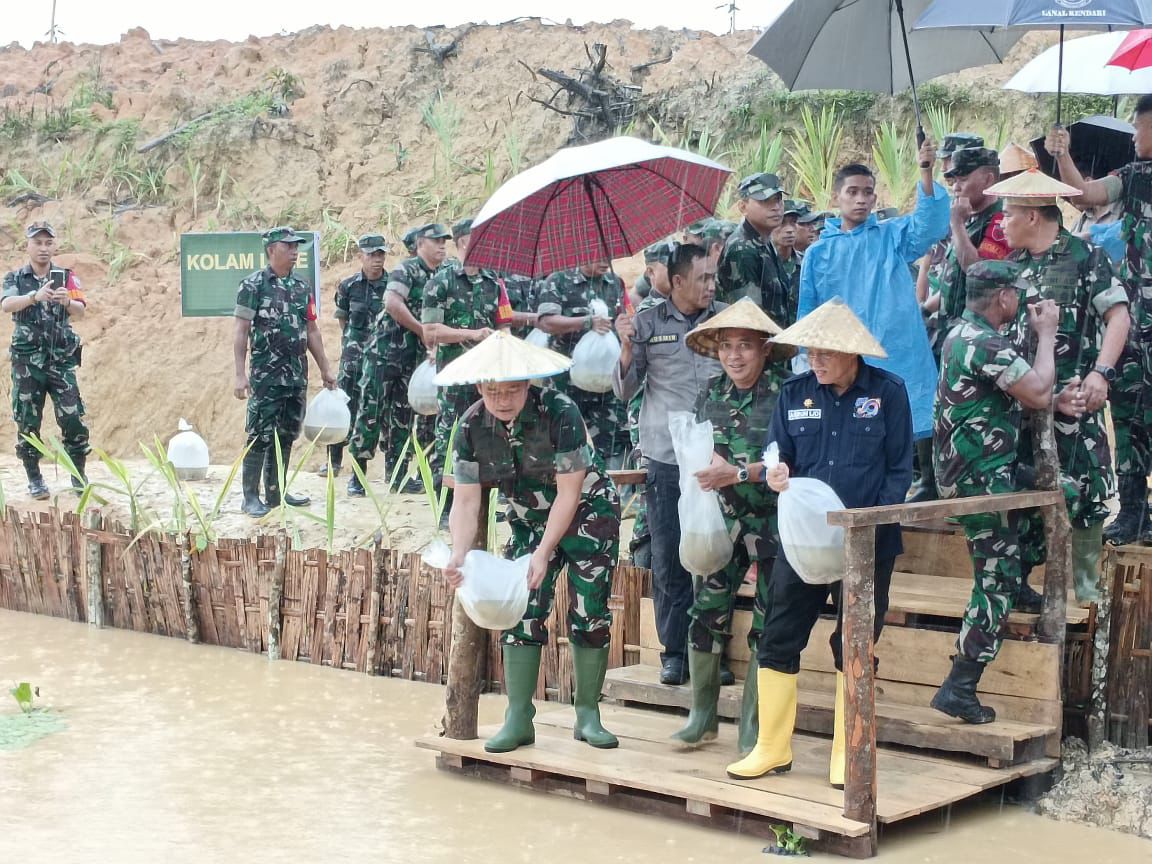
1100,145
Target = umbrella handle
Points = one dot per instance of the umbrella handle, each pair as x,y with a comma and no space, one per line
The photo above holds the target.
920,139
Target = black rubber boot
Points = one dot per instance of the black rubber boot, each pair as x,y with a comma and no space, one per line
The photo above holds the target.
37,488
957,695
727,678
1027,599
925,490
272,482
81,463
1132,520
335,459
355,487
250,482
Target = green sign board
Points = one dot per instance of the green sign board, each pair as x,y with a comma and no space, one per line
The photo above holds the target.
213,265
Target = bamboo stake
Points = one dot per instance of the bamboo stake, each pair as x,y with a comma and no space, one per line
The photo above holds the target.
93,521
466,660
1101,640
276,594
191,625
1057,533
378,565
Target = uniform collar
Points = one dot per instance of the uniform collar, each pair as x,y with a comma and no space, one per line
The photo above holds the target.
979,320
1063,240
863,381
671,310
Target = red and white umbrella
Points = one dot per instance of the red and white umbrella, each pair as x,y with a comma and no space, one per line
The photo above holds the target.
593,203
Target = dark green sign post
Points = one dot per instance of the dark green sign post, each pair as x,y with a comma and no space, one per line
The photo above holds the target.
212,266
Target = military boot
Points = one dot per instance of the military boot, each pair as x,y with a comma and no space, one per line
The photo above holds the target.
957,695
335,459
250,483
355,487
1027,599
1086,547
925,489
749,711
1132,520
590,666
81,462
703,721
37,488
521,669
272,479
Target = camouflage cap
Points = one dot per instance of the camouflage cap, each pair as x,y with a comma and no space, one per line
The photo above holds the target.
659,253
760,187
283,234
725,228
372,243
987,277
958,141
812,216
461,229
697,228
886,213
39,228
432,231
967,160
409,239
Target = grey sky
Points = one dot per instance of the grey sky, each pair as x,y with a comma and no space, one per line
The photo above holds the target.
102,22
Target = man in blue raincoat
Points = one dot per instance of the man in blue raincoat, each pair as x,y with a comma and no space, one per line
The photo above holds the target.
865,262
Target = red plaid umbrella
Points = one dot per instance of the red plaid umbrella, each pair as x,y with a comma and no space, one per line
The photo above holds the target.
593,203
1135,52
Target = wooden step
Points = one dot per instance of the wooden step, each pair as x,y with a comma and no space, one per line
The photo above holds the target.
1001,743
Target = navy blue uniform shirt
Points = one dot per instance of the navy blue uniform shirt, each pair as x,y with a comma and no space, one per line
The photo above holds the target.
859,443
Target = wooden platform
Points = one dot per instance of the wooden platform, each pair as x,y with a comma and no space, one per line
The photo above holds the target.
649,773
1005,742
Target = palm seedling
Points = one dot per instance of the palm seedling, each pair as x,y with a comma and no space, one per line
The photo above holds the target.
814,152
894,155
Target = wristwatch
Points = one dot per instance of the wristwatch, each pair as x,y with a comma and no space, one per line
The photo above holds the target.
1108,372
742,475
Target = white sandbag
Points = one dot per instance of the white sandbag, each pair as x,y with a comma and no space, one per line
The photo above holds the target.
705,544
422,389
595,356
327,419
188,453
813,548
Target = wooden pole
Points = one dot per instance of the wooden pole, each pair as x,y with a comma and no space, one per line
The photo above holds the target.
466,659
1101,642
191,626
92,521
276,594
859,614
375,581
1057,533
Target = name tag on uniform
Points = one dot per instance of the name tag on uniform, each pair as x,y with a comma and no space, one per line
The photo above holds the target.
667,337
805,414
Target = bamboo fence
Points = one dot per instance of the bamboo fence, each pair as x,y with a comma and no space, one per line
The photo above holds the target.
1122,679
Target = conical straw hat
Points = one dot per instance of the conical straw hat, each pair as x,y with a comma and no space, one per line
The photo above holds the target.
1033,188
1014,159
833,327
742,315
502,357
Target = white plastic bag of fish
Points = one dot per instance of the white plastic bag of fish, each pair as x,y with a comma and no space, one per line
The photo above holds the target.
813,548
705,544
595,356
422,389
327,419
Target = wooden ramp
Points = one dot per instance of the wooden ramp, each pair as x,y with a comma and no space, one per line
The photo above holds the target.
651,774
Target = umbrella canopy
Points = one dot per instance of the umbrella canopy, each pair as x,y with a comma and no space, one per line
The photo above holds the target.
1086,69
1036,14
1135,52
858,45
502,357
593,203
1100,145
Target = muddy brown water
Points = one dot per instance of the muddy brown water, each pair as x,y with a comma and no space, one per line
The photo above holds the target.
183,753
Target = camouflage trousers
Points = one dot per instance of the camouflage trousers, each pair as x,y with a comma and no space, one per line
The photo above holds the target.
1130,405
1086,461
994,544
276,410
30,385
349,382
606,418
710,617
384,418
589,550
454,401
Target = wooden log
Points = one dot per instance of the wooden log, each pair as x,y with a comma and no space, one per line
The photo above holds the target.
1098,710
1053,623
276,595
191,626
466,660
95,575
859,614
909,514
373,636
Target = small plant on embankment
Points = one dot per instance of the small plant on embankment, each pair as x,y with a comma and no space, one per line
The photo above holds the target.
788,842
382,503
23,693
185,503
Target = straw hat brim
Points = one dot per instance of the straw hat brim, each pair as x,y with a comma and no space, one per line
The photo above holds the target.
502,357
833,327
741,315
1031,186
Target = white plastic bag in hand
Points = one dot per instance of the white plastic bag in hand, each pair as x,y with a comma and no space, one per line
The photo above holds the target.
494,591
188,453
813,548
705,544
595,357
422,389
327,419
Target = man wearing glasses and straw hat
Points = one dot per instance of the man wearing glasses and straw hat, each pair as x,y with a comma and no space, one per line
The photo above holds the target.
739,405
532,444
849,424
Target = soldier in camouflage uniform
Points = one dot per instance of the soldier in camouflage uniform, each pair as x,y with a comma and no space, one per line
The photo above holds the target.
749,265
532,444
359,301
809,224
1092,333
984,380
45,353
784,242
564,310
739,405
1132,187
276,313
395,349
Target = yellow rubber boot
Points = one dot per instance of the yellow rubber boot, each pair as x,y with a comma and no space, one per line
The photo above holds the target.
836,765
773,751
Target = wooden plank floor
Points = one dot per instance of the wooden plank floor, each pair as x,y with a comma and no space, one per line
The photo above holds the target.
1002,742
694,780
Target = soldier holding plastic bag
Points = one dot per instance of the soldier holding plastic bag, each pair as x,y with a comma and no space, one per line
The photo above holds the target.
847,423
532,444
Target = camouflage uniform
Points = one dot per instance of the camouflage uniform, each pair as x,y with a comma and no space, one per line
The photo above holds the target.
279,309
455,299
987,235
522,459
740,423
392,355
749,267
45,353
359,302
1079,278
570,293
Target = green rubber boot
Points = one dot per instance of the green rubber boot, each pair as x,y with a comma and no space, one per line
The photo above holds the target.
521,670
1086,562
749,711
590,664
703,721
